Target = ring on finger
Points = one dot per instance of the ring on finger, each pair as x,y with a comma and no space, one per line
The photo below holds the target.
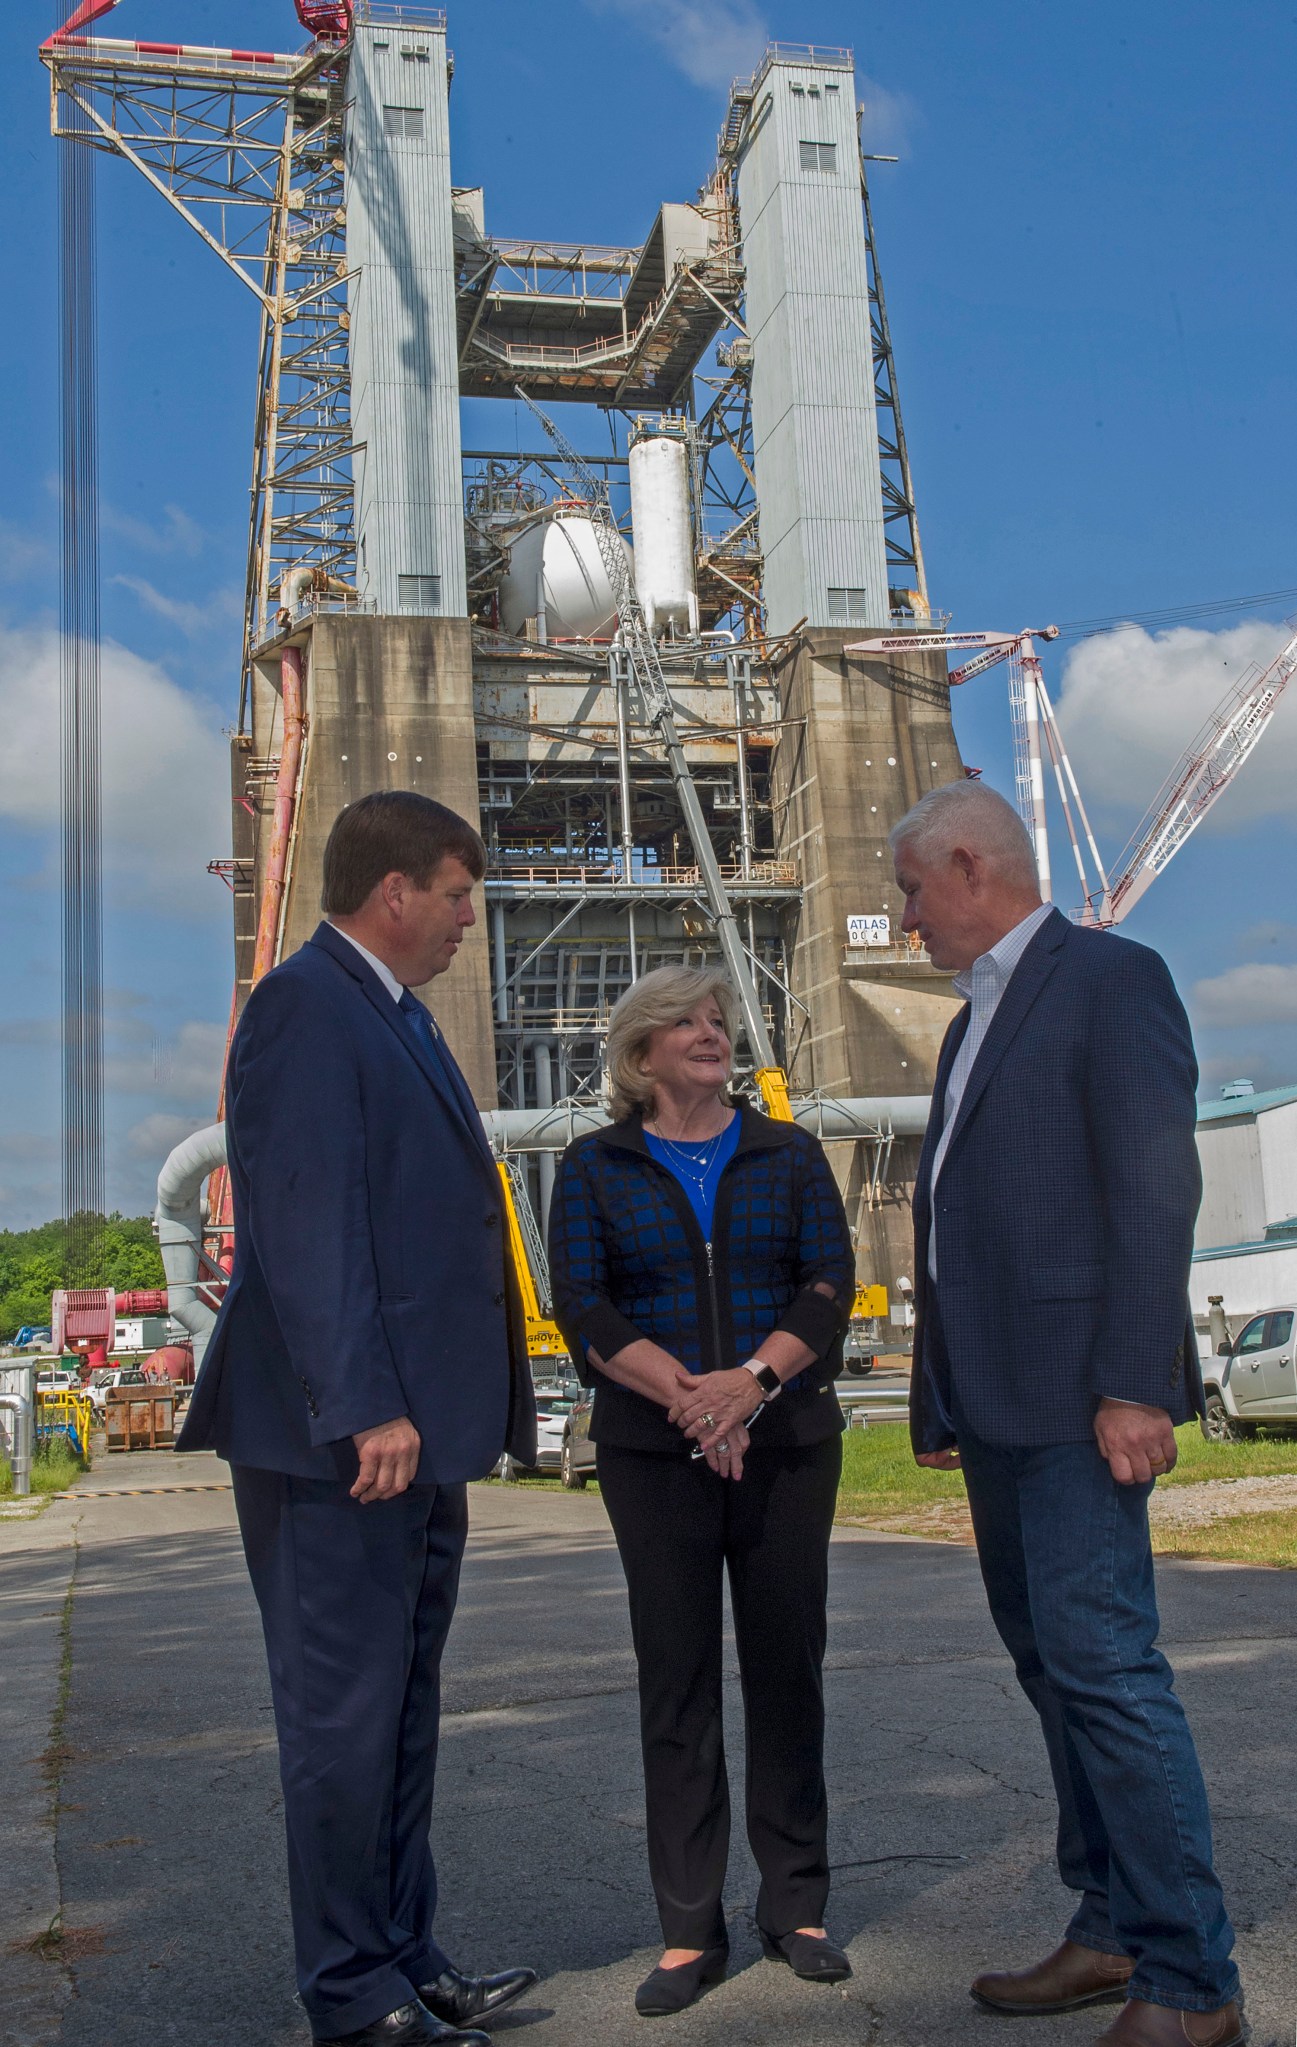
723,1447
710,1420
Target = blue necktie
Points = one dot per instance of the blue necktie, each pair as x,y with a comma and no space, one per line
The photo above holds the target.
419,1019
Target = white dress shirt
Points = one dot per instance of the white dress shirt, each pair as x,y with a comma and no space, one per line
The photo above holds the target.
982,986
384,972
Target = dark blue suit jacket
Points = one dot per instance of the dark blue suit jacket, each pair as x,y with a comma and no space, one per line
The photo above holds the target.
1065,1204
371,1270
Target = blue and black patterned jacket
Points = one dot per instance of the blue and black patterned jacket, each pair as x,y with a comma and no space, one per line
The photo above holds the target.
628,1259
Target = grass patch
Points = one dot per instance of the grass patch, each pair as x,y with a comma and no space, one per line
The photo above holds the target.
55,1467
880,1479
1259,1457
1269,1538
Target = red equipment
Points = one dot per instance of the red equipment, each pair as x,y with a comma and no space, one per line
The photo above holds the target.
329,19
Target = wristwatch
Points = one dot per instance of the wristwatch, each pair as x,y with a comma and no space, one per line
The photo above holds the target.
766,1377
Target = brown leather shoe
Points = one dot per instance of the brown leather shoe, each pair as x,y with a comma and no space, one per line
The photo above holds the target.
1072,1976
1159,2025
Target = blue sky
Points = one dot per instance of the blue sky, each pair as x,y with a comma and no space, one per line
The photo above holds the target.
1088,250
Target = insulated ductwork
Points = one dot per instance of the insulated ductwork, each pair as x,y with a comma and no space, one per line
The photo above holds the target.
869,1116
178,1221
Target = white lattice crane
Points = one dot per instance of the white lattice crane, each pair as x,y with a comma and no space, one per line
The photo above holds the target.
1203,772
1035,734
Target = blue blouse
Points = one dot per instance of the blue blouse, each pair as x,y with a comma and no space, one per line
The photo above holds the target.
685,1162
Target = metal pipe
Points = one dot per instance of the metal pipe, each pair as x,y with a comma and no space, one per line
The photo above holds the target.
737,665
281,829
618,675
542,619
544,1101
831,1118
500,962
178,1224
20,1463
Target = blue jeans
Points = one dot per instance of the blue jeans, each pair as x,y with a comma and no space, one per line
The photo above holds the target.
1068,1569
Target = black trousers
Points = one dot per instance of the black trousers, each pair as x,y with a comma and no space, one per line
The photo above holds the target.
356,1603
679,1530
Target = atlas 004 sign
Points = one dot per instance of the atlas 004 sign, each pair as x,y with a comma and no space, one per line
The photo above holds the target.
869,930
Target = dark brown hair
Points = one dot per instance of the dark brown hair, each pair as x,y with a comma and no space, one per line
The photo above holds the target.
394,831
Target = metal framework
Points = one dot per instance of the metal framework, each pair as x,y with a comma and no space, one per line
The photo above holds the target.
1203,772
900,513
246,146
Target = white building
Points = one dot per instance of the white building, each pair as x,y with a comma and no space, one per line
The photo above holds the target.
1245,1246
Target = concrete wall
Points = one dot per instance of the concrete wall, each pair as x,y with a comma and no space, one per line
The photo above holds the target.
403,351
864,742
815,432
390,706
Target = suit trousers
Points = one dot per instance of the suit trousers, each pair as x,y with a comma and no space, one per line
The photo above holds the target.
1068,1568
356,1603
680,1530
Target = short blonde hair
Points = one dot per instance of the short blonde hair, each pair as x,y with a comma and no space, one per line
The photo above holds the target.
659,998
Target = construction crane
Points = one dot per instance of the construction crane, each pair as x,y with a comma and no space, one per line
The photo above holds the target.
646,673
1032,718
544,1340
1203,772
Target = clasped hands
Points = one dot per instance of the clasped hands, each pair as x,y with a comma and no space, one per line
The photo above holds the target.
712,1410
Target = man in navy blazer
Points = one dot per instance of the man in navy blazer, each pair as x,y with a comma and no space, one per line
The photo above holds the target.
368,1359
1053,1355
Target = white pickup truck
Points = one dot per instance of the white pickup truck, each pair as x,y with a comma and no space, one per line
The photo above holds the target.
1253,1379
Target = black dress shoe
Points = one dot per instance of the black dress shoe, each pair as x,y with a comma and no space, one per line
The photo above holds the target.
461,1999
410,2025
808,1955
669,1990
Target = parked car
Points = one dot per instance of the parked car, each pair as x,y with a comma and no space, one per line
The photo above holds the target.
1253,1379
58,1379
576,1462
105,1377
553,1405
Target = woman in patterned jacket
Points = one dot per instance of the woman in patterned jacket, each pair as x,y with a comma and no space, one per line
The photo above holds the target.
703,1277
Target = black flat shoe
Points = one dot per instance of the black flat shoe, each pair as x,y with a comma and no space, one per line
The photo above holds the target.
410,2025
460,2000
813,1959
668,1990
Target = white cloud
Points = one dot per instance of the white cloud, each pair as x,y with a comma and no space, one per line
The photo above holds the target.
155,1136
1247,995
186,1069
1132,701
711,41
193,619
176,534
165,772
889,118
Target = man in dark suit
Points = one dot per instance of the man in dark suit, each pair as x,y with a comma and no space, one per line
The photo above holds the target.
1053,1356
367,1361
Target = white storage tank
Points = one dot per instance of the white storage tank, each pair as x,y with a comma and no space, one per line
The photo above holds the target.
557,576
662,527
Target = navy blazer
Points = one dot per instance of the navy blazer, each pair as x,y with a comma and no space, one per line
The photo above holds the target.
371,1267
1065,1204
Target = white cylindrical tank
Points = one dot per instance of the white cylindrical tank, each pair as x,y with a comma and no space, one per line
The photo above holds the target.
662,529
556,574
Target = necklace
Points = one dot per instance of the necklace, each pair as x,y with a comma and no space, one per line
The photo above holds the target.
693,1160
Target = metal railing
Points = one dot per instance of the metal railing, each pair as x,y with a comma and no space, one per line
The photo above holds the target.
399,14
609,874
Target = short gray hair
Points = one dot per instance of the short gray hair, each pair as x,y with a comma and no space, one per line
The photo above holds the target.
659,998
968,814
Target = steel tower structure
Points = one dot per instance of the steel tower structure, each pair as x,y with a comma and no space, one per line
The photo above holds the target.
383,557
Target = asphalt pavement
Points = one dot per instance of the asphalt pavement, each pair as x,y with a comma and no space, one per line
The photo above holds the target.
167,1863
